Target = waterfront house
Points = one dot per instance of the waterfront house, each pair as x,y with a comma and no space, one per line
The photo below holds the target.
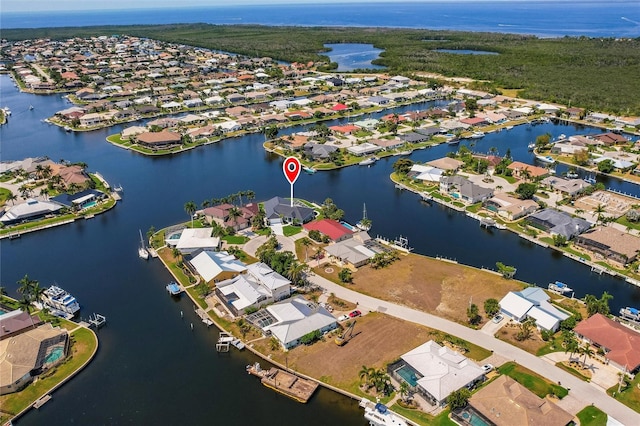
363,149
31,209
79,200
425,173
191,239
556,222
532,302
279,209
261,285
611,244
519,170
462,188
346,129
378,100
388,144
610,138
221,215
475,121
617,163
568,147
570,187
435,371
288,321
505,402
24,356
15,322
446,163
333,229
91,119
509,207
318,151
619,343
355,251
413,137
159,140
216,265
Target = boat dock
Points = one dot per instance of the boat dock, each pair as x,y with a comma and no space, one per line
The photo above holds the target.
204,316
39,403
286,383
97,320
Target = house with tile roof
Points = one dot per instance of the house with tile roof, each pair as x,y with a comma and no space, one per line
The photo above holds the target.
611,243
331,228
621,345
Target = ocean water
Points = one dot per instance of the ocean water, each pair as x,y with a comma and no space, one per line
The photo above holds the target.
616,18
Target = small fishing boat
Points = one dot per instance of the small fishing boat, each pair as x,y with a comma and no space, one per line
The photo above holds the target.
545,159
571,174
477,135
630,313
308,170
407,152
531,146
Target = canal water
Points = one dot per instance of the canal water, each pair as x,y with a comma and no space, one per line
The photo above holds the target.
151,367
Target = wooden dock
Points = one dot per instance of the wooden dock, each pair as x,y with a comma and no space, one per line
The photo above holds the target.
39,403
286,383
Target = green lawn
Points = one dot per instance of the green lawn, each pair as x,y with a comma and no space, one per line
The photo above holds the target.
532,381
83,344
422,418
629,396
4,195
290,230
592,416
572,371
553,345
235,239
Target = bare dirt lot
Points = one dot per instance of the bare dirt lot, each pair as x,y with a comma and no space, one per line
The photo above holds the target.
433,286
378,339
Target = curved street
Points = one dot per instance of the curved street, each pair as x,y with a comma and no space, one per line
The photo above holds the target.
580,395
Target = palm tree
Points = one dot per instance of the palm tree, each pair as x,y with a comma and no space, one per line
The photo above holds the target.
25,306
190,207
250,195
39,170
234,213
587,352
46,171
26,287
297,271
205,204
44,193
571,345
366,373
12,197
525,174
24,191
404,391
306,242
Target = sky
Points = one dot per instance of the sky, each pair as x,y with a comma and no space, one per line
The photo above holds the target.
58,5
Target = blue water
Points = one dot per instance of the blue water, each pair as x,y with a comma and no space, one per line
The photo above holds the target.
352,56
619,18
473,419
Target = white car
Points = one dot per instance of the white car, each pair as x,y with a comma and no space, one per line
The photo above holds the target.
497,319
487,368
343,318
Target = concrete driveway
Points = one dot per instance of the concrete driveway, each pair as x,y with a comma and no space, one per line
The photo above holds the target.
286,244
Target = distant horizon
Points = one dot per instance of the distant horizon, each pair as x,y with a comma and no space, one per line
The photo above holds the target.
20,6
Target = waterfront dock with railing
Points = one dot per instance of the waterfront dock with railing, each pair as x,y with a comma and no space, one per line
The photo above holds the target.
286,383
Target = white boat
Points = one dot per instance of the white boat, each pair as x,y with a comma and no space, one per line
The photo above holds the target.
59,300
590,180
142,250
308,170
379,415
407,152
477,135
630,313
559,287
531,146
509,127
572,175
545,159
369,161
365,223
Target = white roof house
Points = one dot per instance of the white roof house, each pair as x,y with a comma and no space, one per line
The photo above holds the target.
261,285
30,209
210,264
363,148
426,173
533,302
192,239
439,370
352,250
296,317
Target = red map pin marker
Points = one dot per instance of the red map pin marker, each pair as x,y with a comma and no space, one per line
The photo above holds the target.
291,168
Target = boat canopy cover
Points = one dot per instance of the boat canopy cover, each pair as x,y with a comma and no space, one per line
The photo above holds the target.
381,408
634,311
560,284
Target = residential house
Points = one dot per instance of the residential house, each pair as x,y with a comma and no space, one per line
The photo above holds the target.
221,215
475,121
520,170
532,302
259,286
278,209
570,187
462,188
619,343
216,265
505,402
558,223
509,207
333,229
611,244
388,144
159,140
446,163
610,138
345,129
290,320
80,199
363,149
189,240
318,151
355,251
435,371
31,209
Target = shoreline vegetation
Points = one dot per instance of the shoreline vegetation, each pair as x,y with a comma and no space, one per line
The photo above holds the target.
540,69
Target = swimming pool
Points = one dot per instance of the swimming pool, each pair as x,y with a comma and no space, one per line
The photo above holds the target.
348,226
90,204
407,375
55,354
473,420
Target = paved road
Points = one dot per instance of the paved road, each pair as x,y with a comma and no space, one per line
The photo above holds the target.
581,393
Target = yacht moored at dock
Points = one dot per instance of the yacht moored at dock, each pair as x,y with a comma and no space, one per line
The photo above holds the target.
632,314
559,287
60,302
369,161
545,159
477,135
308,170
379,415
